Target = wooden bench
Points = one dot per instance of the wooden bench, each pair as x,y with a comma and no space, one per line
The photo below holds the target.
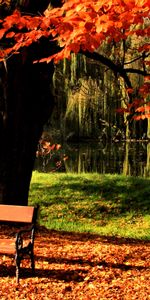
23,219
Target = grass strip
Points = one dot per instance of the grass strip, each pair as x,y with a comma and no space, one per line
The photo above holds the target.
111,205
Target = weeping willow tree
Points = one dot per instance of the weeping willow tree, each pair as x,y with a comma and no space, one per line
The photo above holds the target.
88,94
83,108
87,97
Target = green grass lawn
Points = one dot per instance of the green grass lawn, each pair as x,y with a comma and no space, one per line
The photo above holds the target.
101,204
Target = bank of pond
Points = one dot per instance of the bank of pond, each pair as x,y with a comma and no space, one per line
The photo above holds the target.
128,158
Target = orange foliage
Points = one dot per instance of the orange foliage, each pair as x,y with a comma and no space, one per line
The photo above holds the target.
79,24
140,106
79,266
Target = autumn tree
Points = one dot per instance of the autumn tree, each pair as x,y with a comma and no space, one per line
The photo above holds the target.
89,27
26,103
76,26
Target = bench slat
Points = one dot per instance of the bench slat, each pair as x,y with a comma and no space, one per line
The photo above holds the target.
20,214
7,246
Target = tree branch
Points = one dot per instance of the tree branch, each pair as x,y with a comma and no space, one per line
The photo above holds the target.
137,71
136,58
117,69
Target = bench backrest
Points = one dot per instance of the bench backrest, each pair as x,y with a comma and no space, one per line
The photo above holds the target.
18,214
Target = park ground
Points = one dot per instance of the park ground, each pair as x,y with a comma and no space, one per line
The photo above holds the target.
82,267
92,241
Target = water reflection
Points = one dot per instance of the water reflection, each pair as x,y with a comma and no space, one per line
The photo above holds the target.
120,158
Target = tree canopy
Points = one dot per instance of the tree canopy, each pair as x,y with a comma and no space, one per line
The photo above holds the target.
85,26
80,25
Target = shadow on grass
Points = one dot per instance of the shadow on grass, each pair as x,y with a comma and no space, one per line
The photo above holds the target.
111,196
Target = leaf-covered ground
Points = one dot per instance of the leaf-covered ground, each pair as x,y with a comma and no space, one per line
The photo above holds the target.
80,267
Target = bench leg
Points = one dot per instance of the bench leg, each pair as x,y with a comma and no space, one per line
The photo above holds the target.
32,262
18,261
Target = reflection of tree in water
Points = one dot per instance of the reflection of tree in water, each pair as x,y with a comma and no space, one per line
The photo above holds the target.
147,167
135,159
120,158
126,158
90,158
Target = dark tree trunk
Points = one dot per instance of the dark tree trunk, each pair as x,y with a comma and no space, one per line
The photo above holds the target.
26,103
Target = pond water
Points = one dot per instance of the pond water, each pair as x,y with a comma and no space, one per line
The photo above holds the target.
132,158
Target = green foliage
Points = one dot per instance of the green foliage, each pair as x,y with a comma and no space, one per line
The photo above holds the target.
102,204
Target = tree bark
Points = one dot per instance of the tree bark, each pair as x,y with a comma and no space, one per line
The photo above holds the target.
26,103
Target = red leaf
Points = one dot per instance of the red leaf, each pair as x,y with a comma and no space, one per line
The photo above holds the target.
75,47
143,108
58,146
53,147
88,26
10,35
2,32
130,91
122,110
